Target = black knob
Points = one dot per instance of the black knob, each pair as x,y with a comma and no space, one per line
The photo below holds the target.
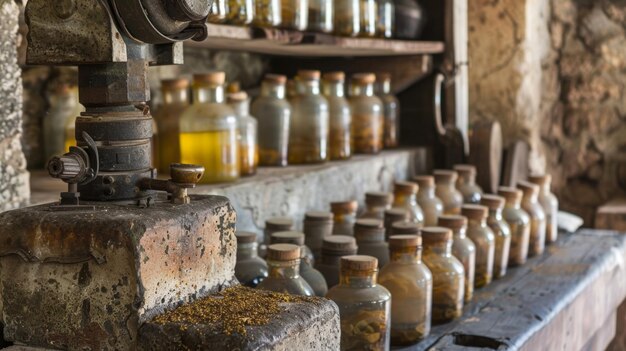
188,10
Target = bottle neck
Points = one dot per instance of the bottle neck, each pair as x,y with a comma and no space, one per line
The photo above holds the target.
401,199
209,94
459,233
175,96
469,179
308,87
247,251
284,269
362,90
545,188
440,248
335,89
513,204
477,222
273,90
407,255
530,198
495,214
358,279
241,108
384,87
334,259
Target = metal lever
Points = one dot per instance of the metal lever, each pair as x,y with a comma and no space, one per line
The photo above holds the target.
183,177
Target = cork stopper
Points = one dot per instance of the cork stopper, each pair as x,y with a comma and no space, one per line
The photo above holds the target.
238,96
214,78
405,227
494,202
445,176
279,223
364,78
344,206
431,235
334,76
454,222
368,223
289,237
275,79
178,83
540,179
510,194
404,241
395,215
377,198
465,170
308,74
359,263
529,189
245,237
383,77
283,252
318,216
475,212
339,244
406,188
424,181
369,230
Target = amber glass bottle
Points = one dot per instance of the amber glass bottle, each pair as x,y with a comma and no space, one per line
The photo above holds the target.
58,124
367,115
376,203
321,16
283,261
463,249
385,19
347,18
250,269
295,14
405,196
247,138
531,205
368,14
240,12
391,110
502,233
267,13
550,205
175,101
428,201
466,184
219,11
333,248
370,238
483,238
208,131
344,217
447,192
519,222
340,116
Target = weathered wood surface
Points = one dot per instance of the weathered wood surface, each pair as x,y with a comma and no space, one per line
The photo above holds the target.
565,299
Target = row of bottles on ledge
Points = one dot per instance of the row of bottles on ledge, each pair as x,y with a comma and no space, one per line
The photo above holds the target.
409,259
362,18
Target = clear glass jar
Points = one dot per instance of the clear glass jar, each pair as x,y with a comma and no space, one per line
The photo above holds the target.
347,18
485,241
370,238
295,14
308,133
219,11
250,269
405,196
519,222
431,205
175,101
385,19
368,11
333,248
267,13
448,274
208,131
364,305
502,233
247,127
317,226
283,261
70,134
391,110
321,16
550,205
273,114
367,115
531,205
340,116
376,203
240,12
344,217
463,249
410,283
392,216
64,108
445,190
274,225
466,184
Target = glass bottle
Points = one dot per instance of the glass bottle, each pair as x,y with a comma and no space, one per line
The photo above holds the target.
531,205
250,269
340,116
310,274
274,225
519,222
367,115
347,18
410,283
317,226
502,233
448,274
364,305
295,14
431,205
175,101
64,108
367,15
344,217
247,137
483,238
405,228
370,238
273,114
405,196
385,19
208,131
267,13
321,16
333,248
463,249
550,205
376,203
308,134
219,11
466,184
240,12
283,261
70,134
445,190
394,215
391,109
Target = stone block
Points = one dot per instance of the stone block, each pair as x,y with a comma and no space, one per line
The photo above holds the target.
88,279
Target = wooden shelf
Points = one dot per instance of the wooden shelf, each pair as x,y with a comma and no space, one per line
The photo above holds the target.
281,42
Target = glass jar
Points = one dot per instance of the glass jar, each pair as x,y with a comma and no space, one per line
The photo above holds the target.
333,248
405,196
344,217
364,306
466,184
550,205
405,228
519,222
448,274
531,205
70,134
175,101
208,131
340,116
367,15
308,134
283,261
317,226
347,18
219,11
367,115
385,19
310,274
321,16
394,215
240,12
295,14
483,238
273,114
370,238
430,204
267,13
445,190
64,108
410,283
463,249
376,203
391,109
250,269
247,126
274,225
502,233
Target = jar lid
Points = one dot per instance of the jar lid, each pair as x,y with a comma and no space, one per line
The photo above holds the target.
237,97
245,237
405,227
396,214
510,194
406,187
233,87
383,77
177,83
436,235
368,223
288,237
494,202
540,179
445,175
424,181
275,78
476,212
363,78
403,241
465,170
283,252
306,74
339,243
334,76
378,198
285,223
529,189
347,206
216,77
454,222
359,263
318,216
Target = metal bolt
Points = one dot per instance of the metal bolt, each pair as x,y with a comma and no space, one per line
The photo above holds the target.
108,191
108,180
65,8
